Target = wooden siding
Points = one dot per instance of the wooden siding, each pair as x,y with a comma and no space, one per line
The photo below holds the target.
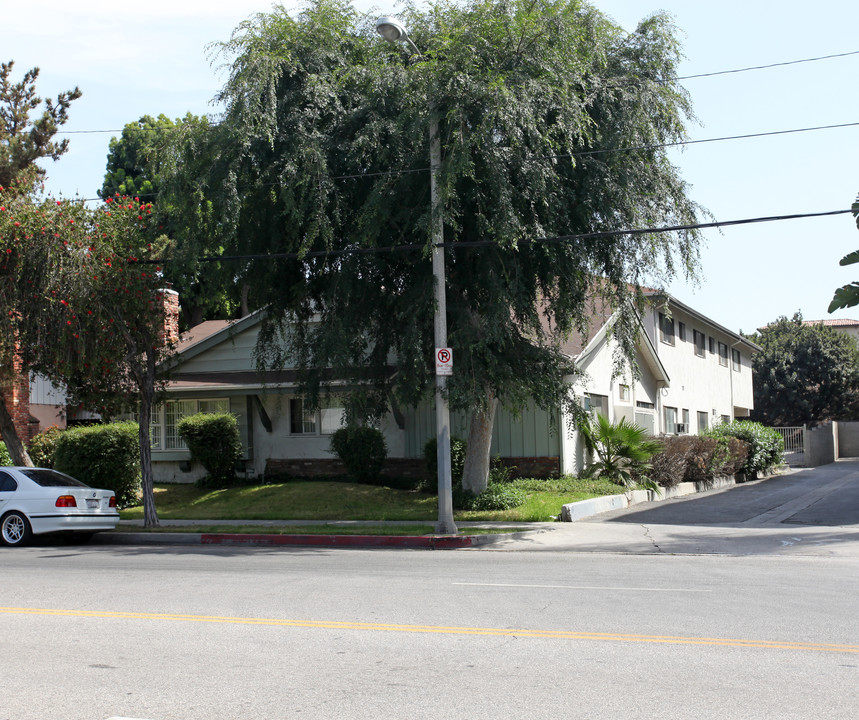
532,434
233,354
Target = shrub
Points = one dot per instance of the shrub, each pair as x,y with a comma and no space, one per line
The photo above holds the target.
362,450
765,445
5,457
668,467
624,451
103,456
213,439
497,496
696,458
458,446
43,446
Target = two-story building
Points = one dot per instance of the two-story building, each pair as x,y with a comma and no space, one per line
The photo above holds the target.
692,373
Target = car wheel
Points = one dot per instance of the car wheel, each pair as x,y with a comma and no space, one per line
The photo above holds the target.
15,529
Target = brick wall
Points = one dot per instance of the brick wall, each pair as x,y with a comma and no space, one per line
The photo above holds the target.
405,467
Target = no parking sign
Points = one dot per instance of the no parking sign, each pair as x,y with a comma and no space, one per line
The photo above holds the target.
444,361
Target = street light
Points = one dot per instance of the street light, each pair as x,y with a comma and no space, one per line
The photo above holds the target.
394,31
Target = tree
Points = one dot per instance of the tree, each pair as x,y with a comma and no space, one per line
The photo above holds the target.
327,163
80,306
159,158
848,295
23,140
805,374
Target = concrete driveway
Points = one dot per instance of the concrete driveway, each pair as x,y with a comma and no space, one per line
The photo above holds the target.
811,511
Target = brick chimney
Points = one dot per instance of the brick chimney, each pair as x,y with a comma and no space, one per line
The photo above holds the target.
18,402
170,299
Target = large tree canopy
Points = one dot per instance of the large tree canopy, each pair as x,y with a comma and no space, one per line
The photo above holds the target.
805,374
325,157
24,140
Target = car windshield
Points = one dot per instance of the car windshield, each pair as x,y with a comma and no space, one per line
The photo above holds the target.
51,478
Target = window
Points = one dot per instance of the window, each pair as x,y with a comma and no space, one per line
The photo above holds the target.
702,421
164,424
735,360
681,331
670,421
596,404
712,346
666,329
301,422
698,338
327,420
685,420
330,418
723,354
623,393
726,419
644,405
7,483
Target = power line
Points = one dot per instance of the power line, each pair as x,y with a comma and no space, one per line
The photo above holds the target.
581,153
682,77
557,239
772,65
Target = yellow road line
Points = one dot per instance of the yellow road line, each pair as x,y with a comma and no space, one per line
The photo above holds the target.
439,629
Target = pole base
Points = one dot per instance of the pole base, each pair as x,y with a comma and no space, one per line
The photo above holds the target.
446,527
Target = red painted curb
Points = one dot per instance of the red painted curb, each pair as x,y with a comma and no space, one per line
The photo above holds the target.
430,542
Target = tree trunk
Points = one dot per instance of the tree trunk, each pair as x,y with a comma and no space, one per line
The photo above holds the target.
475,470
150,514
16,448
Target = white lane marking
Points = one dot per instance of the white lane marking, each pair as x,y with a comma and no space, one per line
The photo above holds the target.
584,587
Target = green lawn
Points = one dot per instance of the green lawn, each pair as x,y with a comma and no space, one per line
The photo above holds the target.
331,500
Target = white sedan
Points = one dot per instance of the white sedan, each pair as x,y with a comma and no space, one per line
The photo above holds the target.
34,501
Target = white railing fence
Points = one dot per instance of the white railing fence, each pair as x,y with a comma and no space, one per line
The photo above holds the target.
794,444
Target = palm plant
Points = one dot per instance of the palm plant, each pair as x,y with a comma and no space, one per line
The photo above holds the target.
624,451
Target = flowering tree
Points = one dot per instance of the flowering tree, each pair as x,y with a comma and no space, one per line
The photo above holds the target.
81,304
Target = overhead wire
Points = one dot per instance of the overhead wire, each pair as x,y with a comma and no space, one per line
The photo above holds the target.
557,239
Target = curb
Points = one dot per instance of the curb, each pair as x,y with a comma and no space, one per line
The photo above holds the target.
406,542
594,506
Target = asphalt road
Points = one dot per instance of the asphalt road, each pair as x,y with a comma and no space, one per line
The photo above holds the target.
187,633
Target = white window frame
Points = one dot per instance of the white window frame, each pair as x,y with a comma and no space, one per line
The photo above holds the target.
723,354
666,329
324,421
736,360
670,420
700,348
163,425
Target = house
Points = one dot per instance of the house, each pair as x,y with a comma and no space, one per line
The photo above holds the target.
693,373
846,326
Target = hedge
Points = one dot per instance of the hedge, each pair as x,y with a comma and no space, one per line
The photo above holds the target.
766,446
214,442
102,456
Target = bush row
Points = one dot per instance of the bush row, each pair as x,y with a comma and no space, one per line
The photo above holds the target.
696,458
741,446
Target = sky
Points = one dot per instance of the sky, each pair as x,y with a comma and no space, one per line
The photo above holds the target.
152,58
